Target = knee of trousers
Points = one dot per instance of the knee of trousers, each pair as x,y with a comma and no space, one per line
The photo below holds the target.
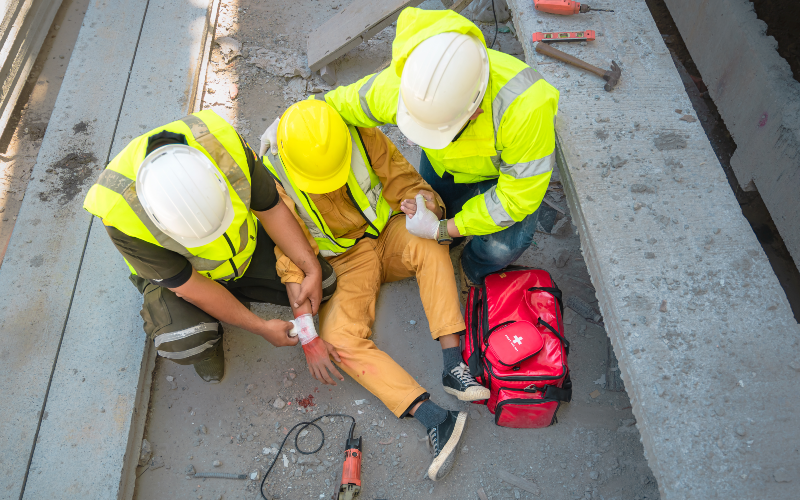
190,345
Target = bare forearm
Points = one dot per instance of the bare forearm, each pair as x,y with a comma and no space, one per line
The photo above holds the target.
282,227
218,302
452,229
293,290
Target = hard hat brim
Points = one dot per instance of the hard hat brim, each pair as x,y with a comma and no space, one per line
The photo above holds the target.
425,136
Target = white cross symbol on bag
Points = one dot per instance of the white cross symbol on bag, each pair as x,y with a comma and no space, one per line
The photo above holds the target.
517,340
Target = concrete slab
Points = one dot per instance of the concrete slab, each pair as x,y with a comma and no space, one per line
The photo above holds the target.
89,443
757,97
41,264
705,338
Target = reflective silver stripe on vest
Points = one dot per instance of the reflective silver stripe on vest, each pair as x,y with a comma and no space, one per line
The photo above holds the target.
225,161
496,210
126,188
189,352
510,91
182,334
529,168
240,270
362,97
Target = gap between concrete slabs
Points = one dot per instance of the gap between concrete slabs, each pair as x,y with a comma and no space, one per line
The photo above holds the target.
79,444
706,340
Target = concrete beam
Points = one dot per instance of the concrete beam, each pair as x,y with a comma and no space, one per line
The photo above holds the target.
757,97
74,409
706,341
24,25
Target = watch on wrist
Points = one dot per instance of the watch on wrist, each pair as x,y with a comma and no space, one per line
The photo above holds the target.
443,236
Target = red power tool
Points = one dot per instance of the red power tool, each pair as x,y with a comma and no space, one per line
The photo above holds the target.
563,7
350,488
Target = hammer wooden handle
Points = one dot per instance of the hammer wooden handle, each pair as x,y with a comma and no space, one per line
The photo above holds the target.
546,49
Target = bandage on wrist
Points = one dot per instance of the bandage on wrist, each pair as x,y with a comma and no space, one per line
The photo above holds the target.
304,329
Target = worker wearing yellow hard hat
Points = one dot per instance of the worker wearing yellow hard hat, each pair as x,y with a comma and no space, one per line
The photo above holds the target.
347,185
484,120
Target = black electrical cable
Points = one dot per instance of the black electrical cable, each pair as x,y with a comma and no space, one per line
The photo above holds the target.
496,28
297,446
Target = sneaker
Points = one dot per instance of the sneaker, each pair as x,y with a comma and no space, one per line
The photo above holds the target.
444,440
460,383
212,369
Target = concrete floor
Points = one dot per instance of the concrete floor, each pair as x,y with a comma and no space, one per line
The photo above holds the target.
593,452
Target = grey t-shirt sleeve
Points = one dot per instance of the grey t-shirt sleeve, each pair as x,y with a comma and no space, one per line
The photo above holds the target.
161,266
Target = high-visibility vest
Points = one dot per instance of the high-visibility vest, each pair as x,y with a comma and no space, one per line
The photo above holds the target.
363,187
113,197
513,141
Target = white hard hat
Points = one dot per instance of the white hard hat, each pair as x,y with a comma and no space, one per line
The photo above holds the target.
443,82
184,194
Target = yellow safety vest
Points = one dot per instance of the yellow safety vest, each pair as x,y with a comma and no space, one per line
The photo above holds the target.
513,141
113,197
363,186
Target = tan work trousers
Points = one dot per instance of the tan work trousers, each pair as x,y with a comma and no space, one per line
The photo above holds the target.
346,319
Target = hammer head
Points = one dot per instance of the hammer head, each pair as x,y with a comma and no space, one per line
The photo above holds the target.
612,76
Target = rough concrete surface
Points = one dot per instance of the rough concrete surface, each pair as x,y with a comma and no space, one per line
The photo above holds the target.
82,448
758,98
704,335
593,452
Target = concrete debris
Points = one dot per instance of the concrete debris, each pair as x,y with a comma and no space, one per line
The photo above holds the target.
663,307
688,118
156,463
581,307
285,461
254,476
781,475
287,382
146,452
279,62
669,140
279,403
202,430
561,258
519,482
216,463
229,47
189,471
617,162
292,375
233,90
249,388
642,188
561,227
593,475
412,322
360,402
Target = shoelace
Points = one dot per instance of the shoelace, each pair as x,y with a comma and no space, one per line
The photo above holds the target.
434,437
464,376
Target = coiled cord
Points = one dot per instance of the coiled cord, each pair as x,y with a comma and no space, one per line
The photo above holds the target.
303,426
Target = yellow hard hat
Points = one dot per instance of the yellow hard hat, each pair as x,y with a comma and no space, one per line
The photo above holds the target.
315,146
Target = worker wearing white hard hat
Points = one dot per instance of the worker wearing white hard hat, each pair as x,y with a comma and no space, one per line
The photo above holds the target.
485,122
196,216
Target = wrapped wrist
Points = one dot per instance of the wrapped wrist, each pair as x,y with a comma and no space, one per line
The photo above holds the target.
304,329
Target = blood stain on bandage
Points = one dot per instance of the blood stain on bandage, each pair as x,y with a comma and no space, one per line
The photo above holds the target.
306,401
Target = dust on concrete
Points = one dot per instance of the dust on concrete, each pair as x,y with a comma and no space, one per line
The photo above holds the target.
72,171
592,452
669,140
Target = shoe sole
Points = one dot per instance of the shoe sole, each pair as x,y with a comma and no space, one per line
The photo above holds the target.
474,393
443,464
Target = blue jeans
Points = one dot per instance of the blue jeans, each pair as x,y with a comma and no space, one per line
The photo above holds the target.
490,252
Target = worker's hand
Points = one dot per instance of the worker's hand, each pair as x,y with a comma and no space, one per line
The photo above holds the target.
409,206
318,356
276,332
311,290
423,223
269,139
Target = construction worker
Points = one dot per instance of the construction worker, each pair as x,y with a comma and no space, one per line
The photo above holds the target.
347,186
182,204
484,120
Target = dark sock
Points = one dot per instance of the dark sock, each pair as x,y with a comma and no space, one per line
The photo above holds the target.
451,357
430,414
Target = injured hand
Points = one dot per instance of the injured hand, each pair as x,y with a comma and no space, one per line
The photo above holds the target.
318,352
423,223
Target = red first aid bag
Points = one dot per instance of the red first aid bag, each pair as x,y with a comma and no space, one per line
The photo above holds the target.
515,346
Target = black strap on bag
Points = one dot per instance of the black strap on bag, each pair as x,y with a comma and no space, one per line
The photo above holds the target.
560,394
554,291
474,361
563,340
